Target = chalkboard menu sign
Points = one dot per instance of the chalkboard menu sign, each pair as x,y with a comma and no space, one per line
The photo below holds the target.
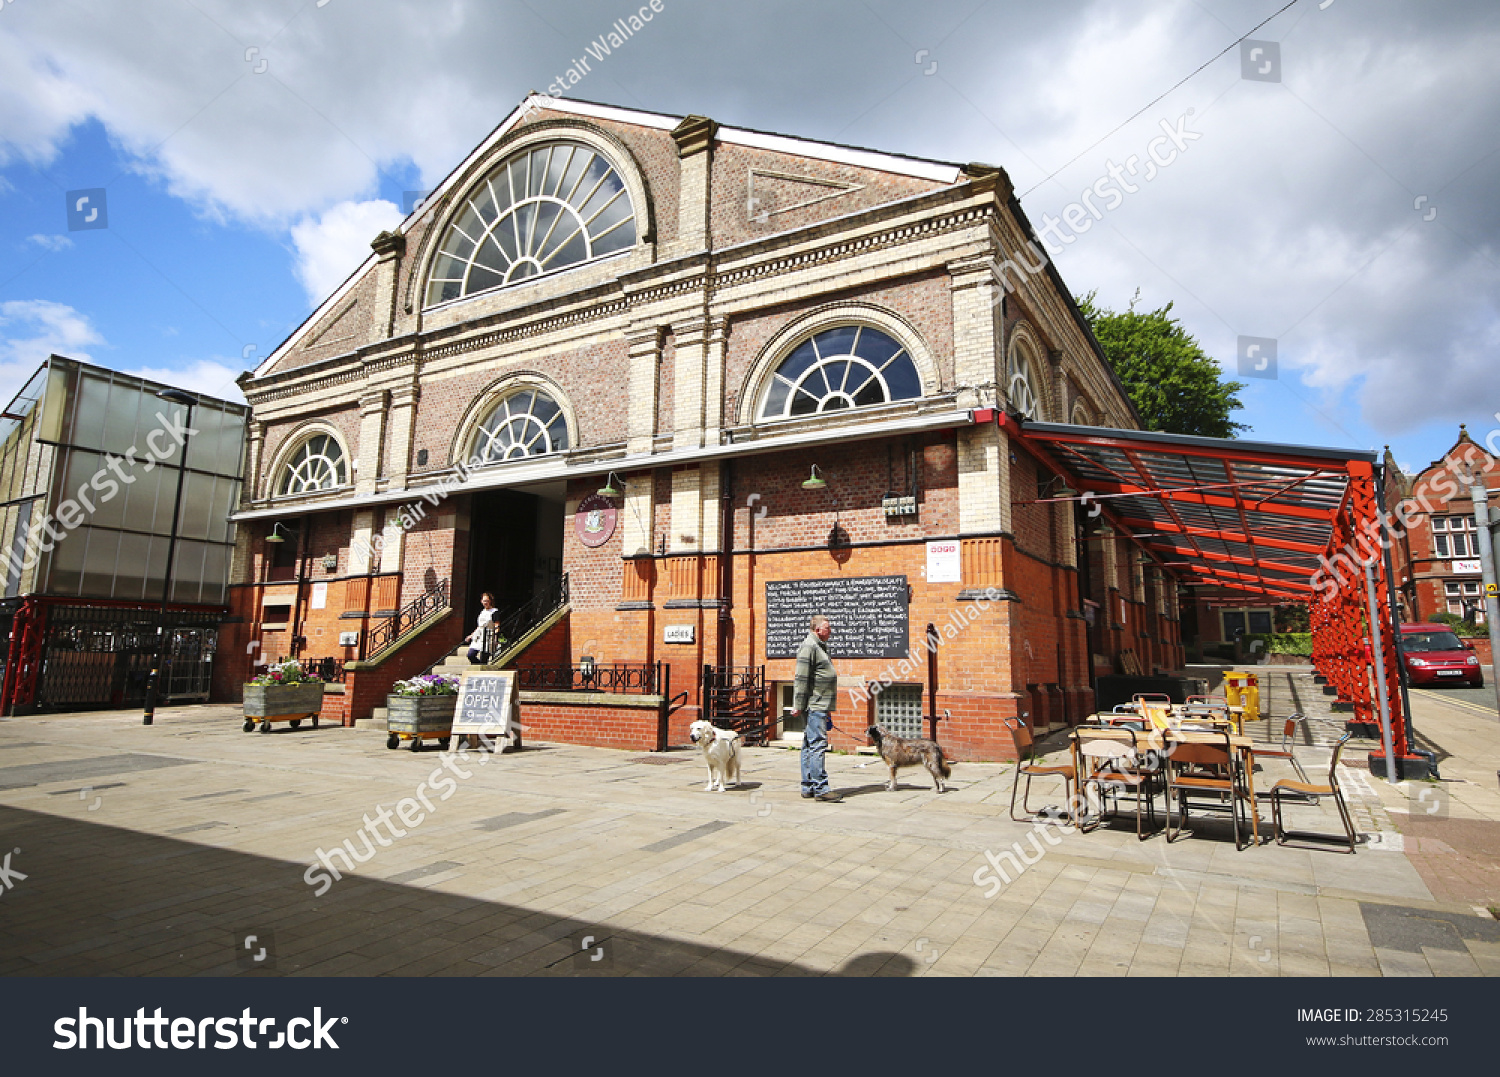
868,615
484,703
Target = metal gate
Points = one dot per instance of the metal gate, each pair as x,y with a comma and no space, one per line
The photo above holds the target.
735,697
102,657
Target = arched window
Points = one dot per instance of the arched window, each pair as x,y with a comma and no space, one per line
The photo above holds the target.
1020,385
850,366
318,464
544,209
526,423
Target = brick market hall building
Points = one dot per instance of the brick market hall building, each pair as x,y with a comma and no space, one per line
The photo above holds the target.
665,387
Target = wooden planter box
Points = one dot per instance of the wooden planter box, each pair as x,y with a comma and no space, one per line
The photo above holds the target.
420,714
282,702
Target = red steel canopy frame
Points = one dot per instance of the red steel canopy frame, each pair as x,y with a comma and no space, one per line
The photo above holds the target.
1286,522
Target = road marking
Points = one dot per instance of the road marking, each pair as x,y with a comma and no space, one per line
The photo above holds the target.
1488,712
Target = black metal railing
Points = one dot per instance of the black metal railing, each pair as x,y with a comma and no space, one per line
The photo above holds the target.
647,679
388,632
516,622
735,697
328,669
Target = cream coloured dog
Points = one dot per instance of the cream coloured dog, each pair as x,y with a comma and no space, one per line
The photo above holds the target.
721,752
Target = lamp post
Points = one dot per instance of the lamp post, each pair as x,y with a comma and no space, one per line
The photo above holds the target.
176,396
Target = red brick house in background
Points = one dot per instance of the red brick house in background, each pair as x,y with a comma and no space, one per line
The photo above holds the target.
1437,562
669,386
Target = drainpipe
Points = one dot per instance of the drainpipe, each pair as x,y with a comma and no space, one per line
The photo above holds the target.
723,653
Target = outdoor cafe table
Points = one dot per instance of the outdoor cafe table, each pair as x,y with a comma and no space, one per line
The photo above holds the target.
1156,739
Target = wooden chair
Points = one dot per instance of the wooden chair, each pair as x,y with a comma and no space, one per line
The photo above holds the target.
1289,732
1020,734
1113,765
1218,775
1305,789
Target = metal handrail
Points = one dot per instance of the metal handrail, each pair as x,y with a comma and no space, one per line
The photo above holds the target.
515,623
645,678
386,634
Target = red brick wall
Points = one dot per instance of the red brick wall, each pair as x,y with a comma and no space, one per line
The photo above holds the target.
600,725
366,689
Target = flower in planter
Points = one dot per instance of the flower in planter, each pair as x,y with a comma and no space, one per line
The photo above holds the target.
287,673
428,684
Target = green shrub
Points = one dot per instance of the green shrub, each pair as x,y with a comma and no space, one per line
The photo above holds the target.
1281,643
1458,624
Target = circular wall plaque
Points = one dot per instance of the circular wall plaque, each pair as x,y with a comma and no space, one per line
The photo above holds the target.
595,520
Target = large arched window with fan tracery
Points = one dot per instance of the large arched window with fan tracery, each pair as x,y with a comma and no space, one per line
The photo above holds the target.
1021,384
524,423
543,209
318,464
849,366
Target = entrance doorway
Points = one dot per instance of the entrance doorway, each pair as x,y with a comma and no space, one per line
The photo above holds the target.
515,547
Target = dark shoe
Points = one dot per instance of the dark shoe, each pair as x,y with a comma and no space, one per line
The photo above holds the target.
830,797
807,796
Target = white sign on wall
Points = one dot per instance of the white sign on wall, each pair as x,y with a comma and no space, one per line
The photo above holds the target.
320,596
1467,566
678,633
943,562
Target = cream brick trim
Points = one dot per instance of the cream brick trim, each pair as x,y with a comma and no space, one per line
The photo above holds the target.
827,317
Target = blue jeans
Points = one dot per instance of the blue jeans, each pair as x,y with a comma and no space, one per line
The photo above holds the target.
814,747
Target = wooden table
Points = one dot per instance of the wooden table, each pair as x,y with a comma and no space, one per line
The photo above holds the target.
1156,740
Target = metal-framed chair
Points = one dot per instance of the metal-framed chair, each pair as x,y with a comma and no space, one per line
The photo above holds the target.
1305,789
1113,765
1217,775
1020,734
1289,731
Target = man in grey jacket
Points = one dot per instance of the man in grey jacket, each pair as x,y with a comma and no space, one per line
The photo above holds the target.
815,694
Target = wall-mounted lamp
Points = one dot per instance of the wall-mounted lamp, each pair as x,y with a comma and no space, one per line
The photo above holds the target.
815,481
330,562
609,489
276,535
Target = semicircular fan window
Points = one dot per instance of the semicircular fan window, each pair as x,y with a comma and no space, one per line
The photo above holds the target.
851,366
542,210
318,464
526,423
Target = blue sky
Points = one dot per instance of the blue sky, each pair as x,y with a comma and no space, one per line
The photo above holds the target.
1342,206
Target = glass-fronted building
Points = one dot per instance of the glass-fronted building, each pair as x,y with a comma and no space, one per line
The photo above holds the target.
89,467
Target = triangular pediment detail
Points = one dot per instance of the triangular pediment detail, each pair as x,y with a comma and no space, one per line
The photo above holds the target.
770,192
341,327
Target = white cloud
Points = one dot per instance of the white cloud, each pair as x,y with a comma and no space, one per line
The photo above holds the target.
200,376
33,329
51,243
1267,226
336,243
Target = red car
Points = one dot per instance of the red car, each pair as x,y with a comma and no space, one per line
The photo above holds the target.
1434,655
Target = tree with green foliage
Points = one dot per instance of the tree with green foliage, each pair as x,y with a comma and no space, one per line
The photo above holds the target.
1171,380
